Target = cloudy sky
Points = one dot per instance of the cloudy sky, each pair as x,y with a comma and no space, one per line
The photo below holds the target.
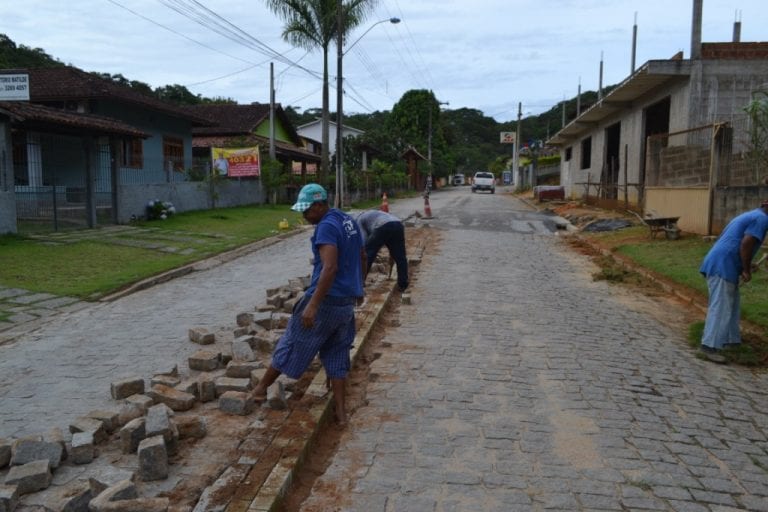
482,54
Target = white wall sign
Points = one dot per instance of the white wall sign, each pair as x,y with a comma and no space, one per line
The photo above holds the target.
14,87
507,137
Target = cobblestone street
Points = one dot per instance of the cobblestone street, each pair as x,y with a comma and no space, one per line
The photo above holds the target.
512,381
515,382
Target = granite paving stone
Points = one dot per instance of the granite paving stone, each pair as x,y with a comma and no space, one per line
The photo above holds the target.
590,401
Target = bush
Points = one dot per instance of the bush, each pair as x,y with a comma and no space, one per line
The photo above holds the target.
157,209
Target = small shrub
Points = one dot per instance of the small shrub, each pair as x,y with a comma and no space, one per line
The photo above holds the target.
161,210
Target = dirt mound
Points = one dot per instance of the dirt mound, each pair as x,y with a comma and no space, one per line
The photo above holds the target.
581,215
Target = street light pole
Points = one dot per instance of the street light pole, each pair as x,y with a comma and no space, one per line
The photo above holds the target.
340,52
429,135
337,202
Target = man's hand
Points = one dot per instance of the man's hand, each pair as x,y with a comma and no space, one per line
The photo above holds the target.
308,316
746,276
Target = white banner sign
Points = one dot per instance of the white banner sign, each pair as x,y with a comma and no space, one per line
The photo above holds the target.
507,137
14,87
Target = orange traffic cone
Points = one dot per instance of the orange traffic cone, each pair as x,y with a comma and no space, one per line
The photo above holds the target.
384,203
427,209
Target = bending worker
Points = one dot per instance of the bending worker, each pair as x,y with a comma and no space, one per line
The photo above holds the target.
384,229
728,263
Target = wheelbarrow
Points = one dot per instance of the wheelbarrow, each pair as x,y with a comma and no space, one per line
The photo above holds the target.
666,224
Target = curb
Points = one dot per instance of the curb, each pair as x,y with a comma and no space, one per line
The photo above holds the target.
629,265
10,333
272,493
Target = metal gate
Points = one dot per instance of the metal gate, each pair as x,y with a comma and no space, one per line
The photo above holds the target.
52,185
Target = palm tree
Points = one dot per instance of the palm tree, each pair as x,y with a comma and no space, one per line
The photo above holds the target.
311,24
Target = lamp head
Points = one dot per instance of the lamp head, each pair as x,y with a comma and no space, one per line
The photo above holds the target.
394,21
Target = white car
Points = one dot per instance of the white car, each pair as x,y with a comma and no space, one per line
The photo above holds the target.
484,181
458,179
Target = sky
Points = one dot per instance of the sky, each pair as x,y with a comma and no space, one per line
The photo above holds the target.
487,55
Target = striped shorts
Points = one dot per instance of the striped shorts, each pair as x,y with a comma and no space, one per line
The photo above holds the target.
331,337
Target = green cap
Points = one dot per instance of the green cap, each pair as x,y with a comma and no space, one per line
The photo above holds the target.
309,193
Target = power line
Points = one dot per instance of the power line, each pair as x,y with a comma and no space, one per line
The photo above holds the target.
169,29
226,76
408,64
415,46
209,19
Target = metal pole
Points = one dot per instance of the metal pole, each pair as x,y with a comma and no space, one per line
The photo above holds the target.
516,160
337,202
634,45
272,110
429,140
564,105
600,85
578,100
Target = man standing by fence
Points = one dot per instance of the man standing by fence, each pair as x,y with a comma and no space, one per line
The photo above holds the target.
728,263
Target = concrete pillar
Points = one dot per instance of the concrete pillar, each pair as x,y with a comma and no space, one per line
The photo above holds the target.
34,160
7,193
696,29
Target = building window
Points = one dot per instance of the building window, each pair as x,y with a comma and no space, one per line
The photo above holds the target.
568,153
173,154
132,153
586,153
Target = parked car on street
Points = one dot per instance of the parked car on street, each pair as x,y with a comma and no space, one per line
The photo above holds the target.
484,181
458,179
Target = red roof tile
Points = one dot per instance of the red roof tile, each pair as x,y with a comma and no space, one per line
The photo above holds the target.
69,83
57,120
230,119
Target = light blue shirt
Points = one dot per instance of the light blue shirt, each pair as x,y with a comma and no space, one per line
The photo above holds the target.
723,259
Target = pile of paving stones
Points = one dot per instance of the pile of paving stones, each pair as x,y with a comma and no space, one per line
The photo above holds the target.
150,422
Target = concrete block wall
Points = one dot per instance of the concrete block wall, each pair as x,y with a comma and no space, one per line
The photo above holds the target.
7,212
731,201
684,166
727,86
186,196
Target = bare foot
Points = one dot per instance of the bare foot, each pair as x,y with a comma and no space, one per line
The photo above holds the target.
259,395
340,418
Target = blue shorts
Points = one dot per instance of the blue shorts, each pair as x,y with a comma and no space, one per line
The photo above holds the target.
331,337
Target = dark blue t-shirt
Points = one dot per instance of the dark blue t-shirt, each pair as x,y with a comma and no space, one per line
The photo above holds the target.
723,259
340,230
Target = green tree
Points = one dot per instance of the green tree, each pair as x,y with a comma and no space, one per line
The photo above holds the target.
273,176
414,117
177,94
12,56
313,24
757,150
119,79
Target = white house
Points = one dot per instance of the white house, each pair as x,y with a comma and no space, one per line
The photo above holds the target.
314,130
